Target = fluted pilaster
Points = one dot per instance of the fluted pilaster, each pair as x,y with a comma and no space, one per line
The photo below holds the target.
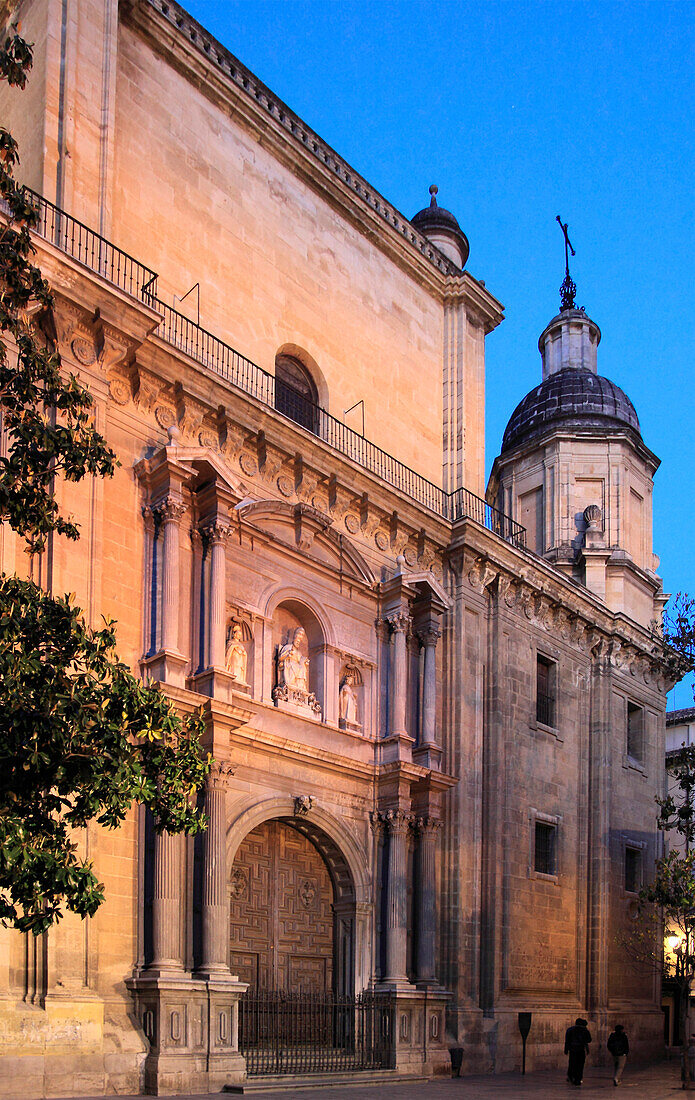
399,622
166,905
429,638
169,513
397,822
217,534
215,909
425,907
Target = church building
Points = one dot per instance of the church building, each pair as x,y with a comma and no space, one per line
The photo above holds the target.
435,707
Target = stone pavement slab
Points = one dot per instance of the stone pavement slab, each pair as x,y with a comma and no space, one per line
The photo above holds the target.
660,1082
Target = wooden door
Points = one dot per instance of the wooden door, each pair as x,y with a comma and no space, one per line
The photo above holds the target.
281,912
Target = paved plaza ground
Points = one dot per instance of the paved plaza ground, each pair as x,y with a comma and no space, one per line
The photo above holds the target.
639,1083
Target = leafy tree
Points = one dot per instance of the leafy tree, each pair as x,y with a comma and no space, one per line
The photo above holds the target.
80,737
668,902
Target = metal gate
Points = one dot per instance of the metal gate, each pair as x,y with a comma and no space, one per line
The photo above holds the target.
301,1033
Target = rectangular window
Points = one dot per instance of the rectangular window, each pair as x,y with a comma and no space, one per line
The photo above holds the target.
633,870
545,691
635,731
545,848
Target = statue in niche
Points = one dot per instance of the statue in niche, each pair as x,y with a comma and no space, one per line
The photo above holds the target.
236,657
348,701
293,666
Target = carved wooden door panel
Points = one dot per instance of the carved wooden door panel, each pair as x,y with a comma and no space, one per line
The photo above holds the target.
281,926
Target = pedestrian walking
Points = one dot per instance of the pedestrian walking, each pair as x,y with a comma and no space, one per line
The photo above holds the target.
577,1039
619,1047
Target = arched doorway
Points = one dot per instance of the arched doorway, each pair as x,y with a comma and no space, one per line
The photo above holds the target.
286,930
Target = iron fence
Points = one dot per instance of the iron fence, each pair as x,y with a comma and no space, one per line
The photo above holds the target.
219,357
98,254
91,249
298,1032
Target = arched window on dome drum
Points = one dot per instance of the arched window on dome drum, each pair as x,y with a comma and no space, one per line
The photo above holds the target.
296,395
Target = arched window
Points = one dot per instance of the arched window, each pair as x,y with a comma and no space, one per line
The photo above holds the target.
296,395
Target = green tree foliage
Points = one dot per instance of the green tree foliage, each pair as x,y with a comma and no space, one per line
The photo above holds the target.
668,901
80,737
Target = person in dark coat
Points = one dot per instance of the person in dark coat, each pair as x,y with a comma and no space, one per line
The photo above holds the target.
577,1041
619,1048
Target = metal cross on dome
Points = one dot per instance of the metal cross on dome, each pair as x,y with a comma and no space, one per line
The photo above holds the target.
568,289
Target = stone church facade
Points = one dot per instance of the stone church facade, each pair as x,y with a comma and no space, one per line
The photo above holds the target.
436,711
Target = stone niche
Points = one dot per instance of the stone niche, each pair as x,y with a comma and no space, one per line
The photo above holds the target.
299,656
239,652
350,699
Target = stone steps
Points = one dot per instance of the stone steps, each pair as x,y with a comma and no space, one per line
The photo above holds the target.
325,1080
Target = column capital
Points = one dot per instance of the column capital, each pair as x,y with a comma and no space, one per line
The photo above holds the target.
220,774
216,532
429,634
169,509
398,821
399,621
149,517
428,826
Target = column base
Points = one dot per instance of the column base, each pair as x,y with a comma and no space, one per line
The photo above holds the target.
428,756
167,667
420,1032
192,1026
217,683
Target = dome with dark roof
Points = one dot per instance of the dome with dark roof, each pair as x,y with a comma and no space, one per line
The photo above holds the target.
436,222
571,398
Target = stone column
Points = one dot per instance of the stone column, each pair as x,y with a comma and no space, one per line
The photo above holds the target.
400,624
170,512
215,908
425,908
217,534
398,823
166,905
429,638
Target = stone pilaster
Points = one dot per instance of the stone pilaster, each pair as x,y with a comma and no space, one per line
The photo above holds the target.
217,534
398,823
167,663
399,623
428,751
170,511
425,905
166,906
215,907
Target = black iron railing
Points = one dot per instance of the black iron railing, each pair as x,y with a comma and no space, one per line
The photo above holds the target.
89,248
95,252
310,1032
219,357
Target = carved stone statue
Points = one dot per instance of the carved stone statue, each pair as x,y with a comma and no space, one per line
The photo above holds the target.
348,701
236,658
293,666
292,688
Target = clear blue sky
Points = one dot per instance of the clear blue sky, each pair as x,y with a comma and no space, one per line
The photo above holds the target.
518,113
